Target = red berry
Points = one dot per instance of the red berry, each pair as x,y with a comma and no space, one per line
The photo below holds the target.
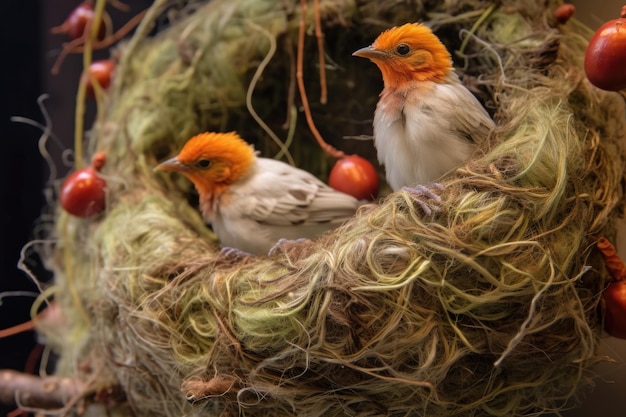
355,176
102,72
98,160
75,24
83,193
564,12
615,309
605,58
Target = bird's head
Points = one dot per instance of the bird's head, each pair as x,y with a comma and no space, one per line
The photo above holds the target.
212,161
410,52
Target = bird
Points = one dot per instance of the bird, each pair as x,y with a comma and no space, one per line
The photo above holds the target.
426,122
253,202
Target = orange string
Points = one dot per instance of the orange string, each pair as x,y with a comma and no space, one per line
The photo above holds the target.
77,45
299,77
18,328
320,50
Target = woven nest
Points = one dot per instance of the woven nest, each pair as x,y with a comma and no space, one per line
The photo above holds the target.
491,306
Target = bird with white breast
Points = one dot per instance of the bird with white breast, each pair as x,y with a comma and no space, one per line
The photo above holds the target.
426,123
253,202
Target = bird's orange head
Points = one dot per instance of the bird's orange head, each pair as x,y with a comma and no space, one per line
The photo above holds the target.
212,161
410,52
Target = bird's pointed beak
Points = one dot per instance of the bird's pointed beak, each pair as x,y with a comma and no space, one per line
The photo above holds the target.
172,164
371,53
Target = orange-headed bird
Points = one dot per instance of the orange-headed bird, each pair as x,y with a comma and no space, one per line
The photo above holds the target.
253,202
426,122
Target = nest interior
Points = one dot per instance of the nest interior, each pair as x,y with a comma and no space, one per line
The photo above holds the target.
489,307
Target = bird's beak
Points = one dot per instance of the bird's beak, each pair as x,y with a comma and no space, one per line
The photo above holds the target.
172,164
371,53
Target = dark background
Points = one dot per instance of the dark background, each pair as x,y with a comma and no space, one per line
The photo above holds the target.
22,173
29,52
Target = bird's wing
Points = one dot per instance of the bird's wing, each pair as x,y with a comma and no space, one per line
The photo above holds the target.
278,194
475,124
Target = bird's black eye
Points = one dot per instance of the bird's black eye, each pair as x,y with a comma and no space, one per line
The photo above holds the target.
204,163
403,49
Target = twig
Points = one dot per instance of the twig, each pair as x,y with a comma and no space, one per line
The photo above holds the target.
119,5
78,45
320,50
17,388
121,32
299,77
27,325
17,329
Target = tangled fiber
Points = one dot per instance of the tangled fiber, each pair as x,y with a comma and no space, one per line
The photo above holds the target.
489,307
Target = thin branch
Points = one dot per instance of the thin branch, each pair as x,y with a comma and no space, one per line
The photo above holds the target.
320,50
299,77
18,328
78,45
119,5
25,390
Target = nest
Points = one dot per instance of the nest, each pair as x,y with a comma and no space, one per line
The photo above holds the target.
491,306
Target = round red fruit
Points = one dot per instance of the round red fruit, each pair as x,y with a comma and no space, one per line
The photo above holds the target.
355,176
78,20
615,309
605,58
564,12
102,72
83,193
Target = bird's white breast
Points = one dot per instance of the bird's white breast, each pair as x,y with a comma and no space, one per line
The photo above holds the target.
424,132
